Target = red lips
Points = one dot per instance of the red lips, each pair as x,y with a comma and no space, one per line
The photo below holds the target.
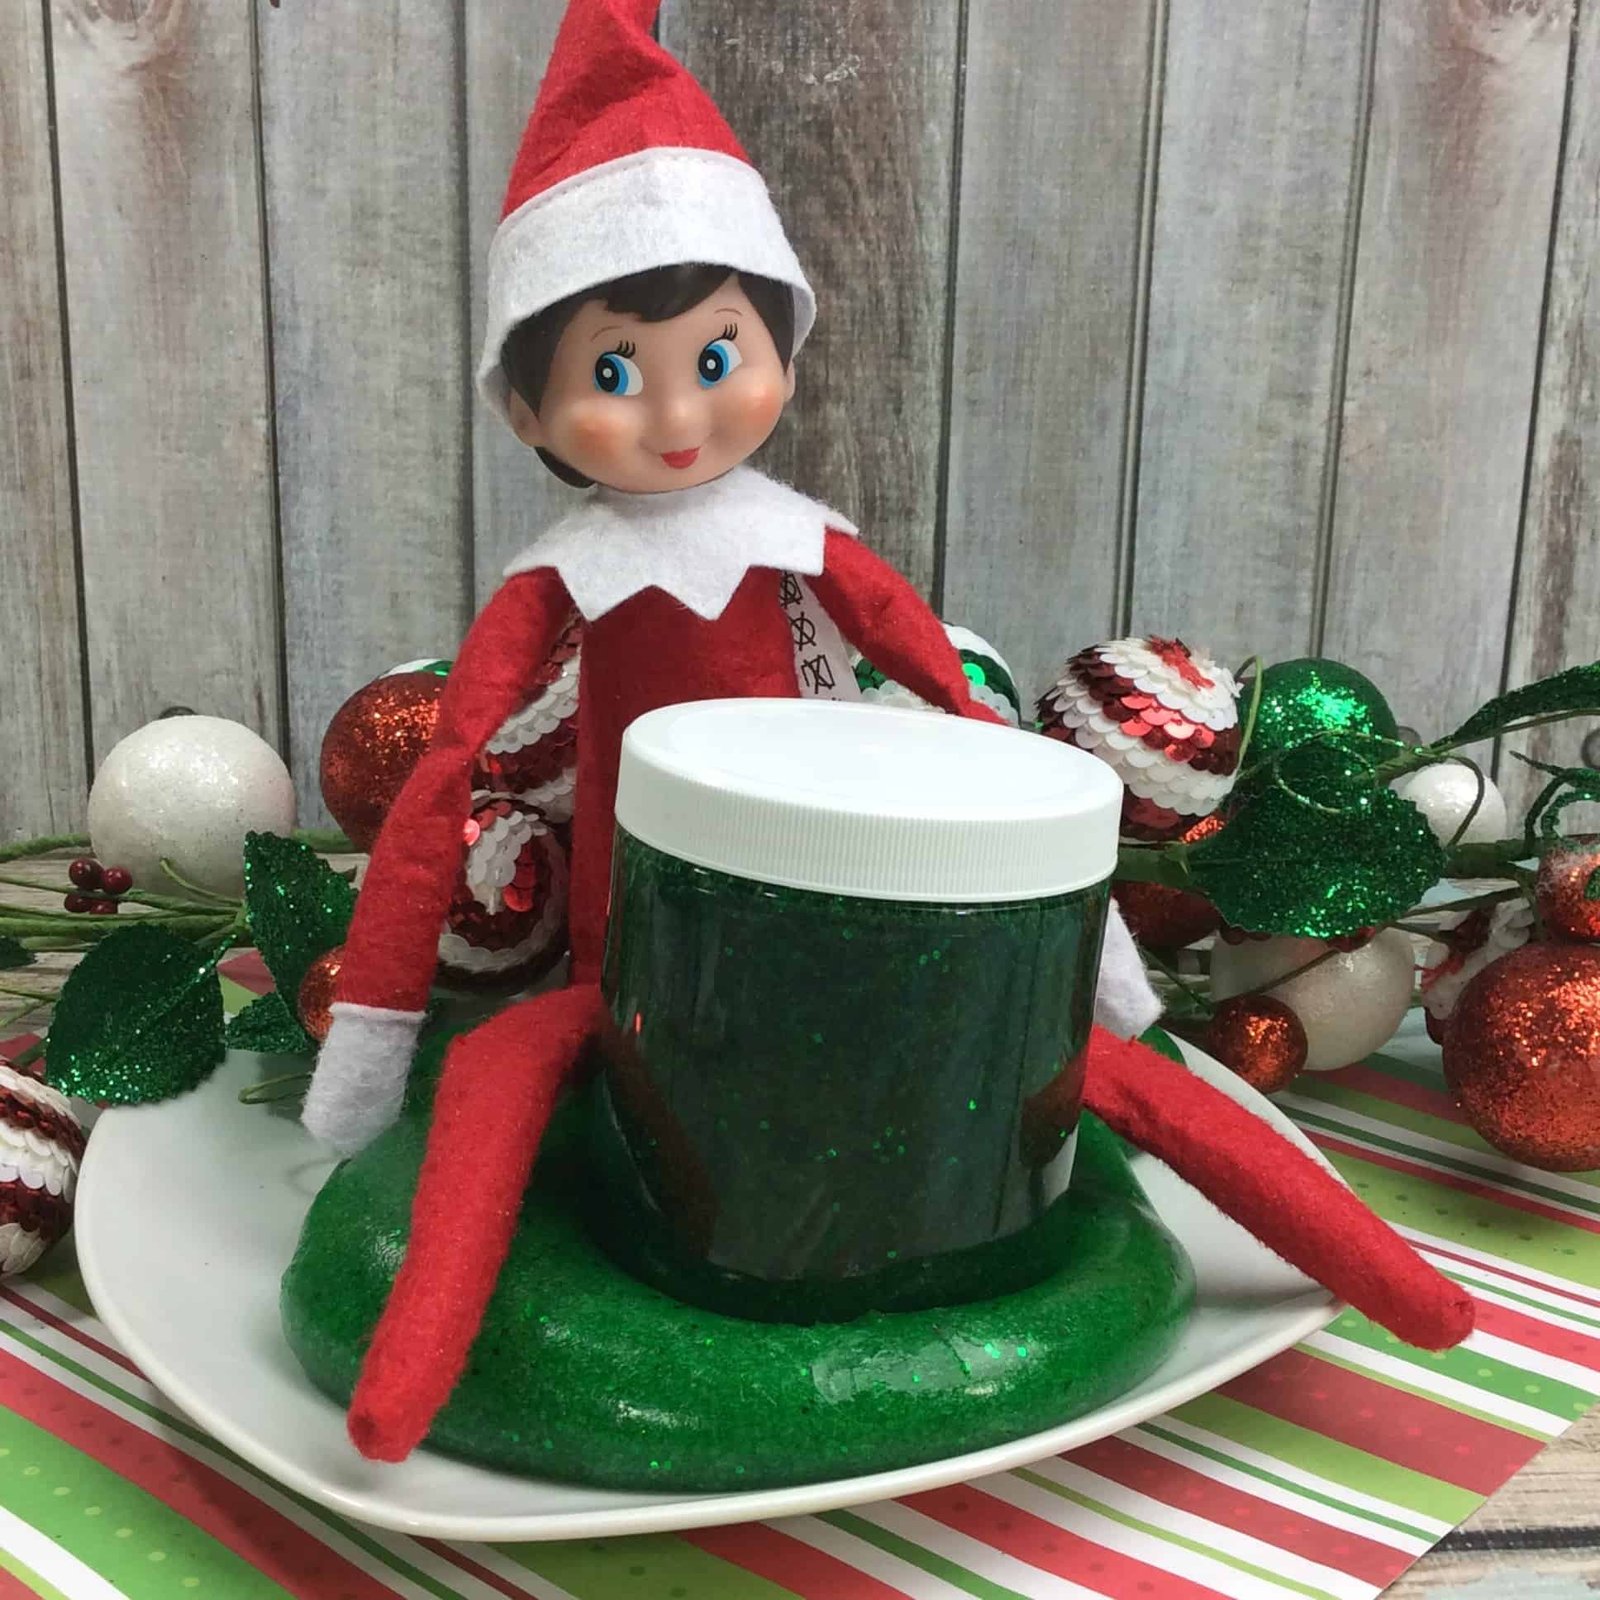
680,458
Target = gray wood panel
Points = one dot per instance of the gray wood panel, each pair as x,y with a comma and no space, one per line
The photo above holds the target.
1260,125
849,111
1466,119
507,45
1048,268
1557,618
162,240
362,146
42,757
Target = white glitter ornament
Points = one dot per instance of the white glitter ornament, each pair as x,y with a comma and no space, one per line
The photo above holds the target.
41,1144
534,756
188,789
1474,940
1350,1005
1445,794
989,678
1165,718
509,910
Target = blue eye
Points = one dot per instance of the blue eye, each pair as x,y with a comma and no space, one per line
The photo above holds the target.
717,360
615,373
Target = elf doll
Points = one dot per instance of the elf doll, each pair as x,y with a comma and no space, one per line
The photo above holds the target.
645,309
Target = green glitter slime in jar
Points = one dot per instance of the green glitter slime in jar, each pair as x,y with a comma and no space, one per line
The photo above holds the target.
851,974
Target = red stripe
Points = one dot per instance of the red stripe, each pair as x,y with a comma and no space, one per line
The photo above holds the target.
1451,1180
484,1575
1184,1489
1517,1326
249,971
801,1569
232,1516
1397,1091
76,1334
16,1044
1052,1548
13,1588
1498,1268
1369,1415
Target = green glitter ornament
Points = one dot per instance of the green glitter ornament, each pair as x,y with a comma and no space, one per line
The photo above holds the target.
270,1028
139,1019
1569,693
1310,698
299,906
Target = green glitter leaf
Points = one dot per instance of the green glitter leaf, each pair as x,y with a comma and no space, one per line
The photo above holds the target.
1568,693
12,954
139,1019
269,1027
299,906
1321,851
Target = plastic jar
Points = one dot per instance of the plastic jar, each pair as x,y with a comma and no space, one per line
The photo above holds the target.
850,967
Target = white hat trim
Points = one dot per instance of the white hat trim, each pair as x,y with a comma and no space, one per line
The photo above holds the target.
660,207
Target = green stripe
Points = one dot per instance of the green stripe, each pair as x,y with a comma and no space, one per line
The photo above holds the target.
28,1577
58,1273
1168,1536
1493,1376
1428,1077
235,997
1315,1086
1486,1225
185,1429
646,1565
1434,1158
1328,1458
1288,1485
158,1549
914,1555
1462,1273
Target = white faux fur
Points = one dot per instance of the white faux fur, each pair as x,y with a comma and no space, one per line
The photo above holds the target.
360,1078
696,544
1124,1003
662,207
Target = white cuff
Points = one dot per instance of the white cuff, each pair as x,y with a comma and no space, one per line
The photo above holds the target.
360,1078
1124,1003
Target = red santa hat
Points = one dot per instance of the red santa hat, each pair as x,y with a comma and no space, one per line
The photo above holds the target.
625,165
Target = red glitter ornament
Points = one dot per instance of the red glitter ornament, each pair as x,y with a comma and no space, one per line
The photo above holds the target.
376,737
41,1144
1164,717
509,911
1567,905
1522,1055
1258,1037
314,1003
1168,919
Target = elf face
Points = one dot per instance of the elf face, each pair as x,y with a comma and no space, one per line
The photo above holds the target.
650,406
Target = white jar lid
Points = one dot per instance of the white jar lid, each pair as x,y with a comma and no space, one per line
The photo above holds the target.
862,800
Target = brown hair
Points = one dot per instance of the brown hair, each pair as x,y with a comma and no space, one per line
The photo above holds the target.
656,296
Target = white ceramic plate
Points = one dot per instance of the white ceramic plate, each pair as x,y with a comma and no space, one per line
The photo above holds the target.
188,1212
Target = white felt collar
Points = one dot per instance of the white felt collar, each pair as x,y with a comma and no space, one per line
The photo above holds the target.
695,544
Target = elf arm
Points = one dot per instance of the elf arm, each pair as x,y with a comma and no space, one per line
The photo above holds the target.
392,948
890,623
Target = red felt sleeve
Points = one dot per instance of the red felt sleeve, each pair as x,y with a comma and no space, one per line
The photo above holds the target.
891,625
392,948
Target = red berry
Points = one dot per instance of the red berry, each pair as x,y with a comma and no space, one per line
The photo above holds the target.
76,903
117,880
104,908
85,872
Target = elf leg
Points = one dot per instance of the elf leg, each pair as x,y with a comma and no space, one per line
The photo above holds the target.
495,1096
1289,1202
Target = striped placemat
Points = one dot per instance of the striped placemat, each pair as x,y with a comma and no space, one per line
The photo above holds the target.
1324,1473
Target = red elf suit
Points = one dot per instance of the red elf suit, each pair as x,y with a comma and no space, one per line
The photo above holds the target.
626,166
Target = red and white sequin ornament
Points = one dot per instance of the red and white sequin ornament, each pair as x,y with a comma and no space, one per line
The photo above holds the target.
41,1144
1466,943
534,756
509,909
1165,718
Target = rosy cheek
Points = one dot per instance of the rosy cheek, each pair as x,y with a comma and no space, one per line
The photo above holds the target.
760,406
598,429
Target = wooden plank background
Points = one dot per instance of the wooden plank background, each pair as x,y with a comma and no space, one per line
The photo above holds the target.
1272,325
